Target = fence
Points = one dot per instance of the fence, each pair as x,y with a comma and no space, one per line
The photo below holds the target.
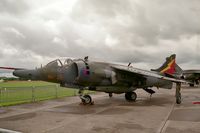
16,95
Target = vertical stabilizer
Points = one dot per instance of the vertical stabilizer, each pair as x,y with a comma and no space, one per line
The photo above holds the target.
170,67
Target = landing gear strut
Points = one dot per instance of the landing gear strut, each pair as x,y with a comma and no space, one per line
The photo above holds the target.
178,93
85,99
131,96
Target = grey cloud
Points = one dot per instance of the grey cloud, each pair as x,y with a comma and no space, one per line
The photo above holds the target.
13,6
144,23
147,21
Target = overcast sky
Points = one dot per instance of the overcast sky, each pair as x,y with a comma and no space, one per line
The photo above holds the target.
33,32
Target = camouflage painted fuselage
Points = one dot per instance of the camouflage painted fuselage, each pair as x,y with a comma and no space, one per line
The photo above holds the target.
92,75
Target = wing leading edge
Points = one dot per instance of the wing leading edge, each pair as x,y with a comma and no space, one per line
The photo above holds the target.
12,68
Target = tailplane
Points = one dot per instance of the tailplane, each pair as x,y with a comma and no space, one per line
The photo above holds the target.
170,67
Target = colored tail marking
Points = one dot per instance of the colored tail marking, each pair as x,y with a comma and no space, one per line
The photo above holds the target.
170,68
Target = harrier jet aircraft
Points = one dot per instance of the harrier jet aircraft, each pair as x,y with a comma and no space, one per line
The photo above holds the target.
84,74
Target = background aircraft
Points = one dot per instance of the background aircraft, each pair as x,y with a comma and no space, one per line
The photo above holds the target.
84,74
192,75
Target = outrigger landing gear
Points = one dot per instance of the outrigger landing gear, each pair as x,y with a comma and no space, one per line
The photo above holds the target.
178,93
85,99
131,96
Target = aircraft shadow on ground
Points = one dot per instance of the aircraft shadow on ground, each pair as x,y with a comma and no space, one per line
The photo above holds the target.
110,106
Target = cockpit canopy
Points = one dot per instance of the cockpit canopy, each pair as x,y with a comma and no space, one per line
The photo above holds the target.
60,63
54,64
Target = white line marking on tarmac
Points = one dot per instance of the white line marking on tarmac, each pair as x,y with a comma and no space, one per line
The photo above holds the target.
8,131
165,122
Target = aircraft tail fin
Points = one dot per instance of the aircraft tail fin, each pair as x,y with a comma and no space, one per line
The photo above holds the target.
170,67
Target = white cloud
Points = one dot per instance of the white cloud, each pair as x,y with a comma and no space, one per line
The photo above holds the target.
111,42
14,31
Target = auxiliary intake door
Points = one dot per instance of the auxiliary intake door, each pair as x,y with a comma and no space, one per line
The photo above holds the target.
70,73
83,72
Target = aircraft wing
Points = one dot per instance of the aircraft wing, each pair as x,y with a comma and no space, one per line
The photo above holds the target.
12,68
143,73
191,71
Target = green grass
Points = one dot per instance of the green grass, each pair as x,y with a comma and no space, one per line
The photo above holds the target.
17,92
25,83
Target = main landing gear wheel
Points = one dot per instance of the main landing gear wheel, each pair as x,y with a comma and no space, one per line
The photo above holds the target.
191,85
86,99
131,96
110,95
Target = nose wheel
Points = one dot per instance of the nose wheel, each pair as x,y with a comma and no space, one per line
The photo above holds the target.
85,99
131,96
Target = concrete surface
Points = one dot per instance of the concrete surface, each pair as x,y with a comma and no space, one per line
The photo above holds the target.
159,114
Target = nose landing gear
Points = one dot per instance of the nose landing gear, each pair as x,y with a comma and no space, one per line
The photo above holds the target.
85,99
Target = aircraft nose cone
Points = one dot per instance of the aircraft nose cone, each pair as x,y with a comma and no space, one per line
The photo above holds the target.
21,73
16,73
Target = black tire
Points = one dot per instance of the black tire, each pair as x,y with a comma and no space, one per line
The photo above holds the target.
110,95
191,85
178,99
131,96
87,99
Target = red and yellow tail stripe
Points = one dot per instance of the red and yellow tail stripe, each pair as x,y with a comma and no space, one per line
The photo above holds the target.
170,69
